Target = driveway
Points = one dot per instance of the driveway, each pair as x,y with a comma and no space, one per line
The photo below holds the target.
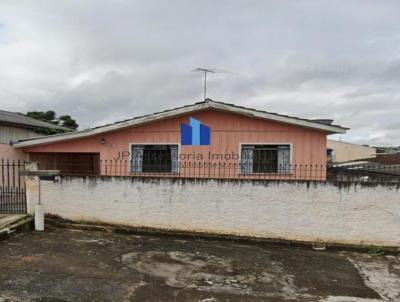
70,265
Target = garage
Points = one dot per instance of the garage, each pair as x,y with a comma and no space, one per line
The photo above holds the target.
69,163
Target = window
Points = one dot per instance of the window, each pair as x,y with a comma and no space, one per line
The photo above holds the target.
154,158
265,159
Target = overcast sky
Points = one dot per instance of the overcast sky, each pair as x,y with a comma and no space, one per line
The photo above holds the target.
104,61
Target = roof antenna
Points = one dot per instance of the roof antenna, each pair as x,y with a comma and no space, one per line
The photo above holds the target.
205,70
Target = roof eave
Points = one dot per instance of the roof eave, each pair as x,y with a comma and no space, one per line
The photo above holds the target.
330,129
108,128
33,127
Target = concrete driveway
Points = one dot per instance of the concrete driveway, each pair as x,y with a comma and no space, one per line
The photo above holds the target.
70,265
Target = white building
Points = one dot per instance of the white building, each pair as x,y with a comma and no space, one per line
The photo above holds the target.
342,151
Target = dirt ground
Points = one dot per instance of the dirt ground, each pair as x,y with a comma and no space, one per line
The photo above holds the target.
71,265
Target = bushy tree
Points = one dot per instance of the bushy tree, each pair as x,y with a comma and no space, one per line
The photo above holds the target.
46,116
51,117
67,121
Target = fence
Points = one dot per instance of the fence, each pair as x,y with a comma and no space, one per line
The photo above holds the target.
364,172
208,170
235,170
12,187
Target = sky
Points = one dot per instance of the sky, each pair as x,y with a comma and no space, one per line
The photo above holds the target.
105,61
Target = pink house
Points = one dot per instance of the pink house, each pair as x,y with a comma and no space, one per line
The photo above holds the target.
206,139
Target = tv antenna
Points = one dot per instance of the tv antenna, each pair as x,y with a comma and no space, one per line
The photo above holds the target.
205,70
210,70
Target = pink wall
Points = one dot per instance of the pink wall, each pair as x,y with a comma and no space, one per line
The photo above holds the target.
228,131
10,153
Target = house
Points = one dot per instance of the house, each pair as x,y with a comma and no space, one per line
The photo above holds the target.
382,166
205,139
16,126
387,150
343,151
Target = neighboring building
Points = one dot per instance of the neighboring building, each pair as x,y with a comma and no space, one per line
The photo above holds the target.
386,159
342,151
207,135
387,164
387,150
16,126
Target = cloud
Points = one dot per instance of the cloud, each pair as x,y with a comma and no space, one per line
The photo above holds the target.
103,61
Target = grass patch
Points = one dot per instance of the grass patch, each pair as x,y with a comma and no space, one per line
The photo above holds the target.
376,251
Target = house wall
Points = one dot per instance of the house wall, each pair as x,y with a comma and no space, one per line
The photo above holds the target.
10,153
228,131
343,151
306,211
10,133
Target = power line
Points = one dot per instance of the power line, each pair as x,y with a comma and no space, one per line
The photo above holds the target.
12,92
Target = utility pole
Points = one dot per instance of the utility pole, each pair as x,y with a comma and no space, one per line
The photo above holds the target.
205,70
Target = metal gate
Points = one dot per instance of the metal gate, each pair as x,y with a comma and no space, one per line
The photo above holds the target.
12,187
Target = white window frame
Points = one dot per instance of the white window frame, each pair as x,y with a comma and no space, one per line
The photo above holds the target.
155,144
266,144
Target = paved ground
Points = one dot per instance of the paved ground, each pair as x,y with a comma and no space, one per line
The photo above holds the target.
68,265
7,219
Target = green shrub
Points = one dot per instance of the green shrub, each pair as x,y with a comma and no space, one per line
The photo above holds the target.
376,251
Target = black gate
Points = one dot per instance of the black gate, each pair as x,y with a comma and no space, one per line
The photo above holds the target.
12,187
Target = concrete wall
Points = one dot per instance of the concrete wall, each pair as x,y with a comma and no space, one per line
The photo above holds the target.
290,210
343,151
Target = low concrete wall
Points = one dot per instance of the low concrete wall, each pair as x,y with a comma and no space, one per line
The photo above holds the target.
286,210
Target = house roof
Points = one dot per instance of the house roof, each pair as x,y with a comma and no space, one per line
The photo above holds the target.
387,159
23,121
348,143
380,159
207,104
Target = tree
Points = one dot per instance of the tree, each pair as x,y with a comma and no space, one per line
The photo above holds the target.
46,116
67,121
50,116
